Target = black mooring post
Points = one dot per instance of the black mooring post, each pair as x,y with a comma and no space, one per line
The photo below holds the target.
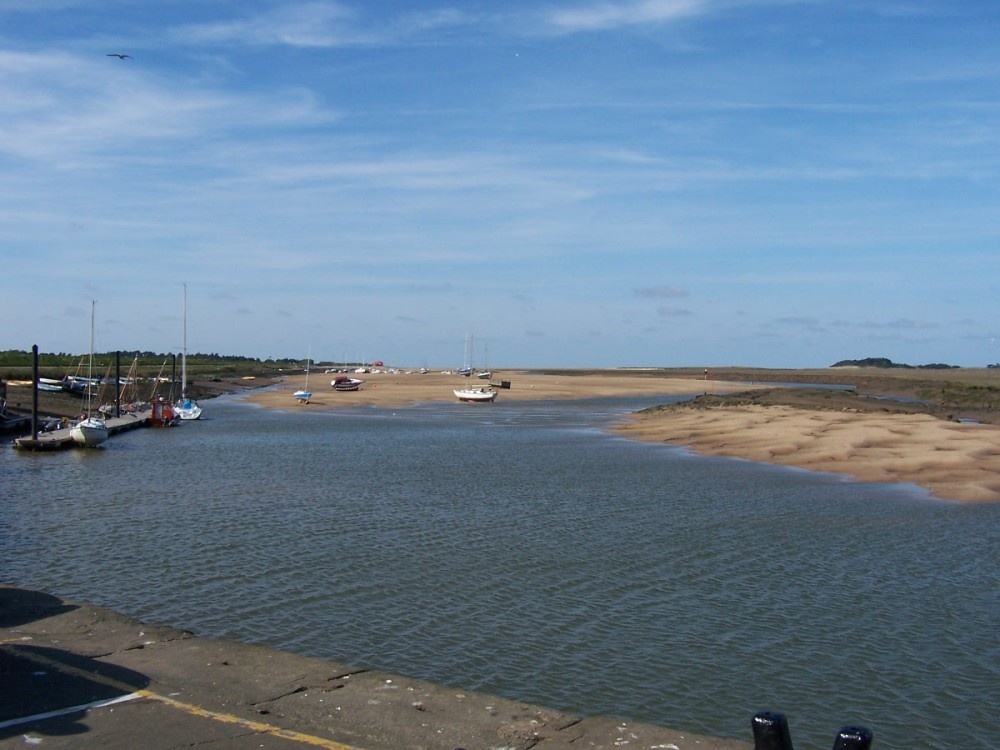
34,392
770,731
853,738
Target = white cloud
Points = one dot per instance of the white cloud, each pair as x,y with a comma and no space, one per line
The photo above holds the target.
612,15
317,25
303,25
65,109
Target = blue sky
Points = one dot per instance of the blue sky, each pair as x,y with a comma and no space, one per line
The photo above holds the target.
776,183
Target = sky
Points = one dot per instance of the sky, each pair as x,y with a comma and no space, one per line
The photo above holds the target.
646,183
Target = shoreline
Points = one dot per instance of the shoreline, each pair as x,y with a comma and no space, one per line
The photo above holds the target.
863,437
879,427
952,461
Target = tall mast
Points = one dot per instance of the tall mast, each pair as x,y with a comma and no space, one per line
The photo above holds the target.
90,365
184,353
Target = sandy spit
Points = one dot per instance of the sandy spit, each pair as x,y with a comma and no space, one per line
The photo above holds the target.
952,460
397,390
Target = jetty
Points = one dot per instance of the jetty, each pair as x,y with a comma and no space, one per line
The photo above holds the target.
60,439
82,676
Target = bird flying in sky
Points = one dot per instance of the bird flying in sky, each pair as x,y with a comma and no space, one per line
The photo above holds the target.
119,55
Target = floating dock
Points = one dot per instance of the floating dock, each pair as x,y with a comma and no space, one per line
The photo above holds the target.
60,439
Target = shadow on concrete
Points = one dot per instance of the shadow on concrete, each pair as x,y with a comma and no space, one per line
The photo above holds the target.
35,681
20,606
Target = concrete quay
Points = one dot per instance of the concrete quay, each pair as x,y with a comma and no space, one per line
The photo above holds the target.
74,675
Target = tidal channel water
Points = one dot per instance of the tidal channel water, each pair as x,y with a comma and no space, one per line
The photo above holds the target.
521,550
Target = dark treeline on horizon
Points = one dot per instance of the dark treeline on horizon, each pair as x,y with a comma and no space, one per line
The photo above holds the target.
19,358
887,364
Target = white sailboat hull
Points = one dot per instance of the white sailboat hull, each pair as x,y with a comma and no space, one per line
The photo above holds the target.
475,394
187,409
89,432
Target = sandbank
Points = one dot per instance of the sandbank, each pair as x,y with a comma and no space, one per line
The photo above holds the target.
952,460
403,389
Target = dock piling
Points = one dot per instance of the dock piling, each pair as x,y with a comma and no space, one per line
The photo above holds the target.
34,391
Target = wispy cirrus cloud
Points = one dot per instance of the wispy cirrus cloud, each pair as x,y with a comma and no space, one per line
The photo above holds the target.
317,25
65,108
613,15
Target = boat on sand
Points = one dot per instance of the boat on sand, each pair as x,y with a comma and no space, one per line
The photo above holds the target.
475,395
304,394
344,383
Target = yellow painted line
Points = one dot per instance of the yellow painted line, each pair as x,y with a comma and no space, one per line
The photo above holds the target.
256,726
189,708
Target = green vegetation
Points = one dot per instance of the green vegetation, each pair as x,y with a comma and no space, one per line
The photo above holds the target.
961,396
15,364
885,363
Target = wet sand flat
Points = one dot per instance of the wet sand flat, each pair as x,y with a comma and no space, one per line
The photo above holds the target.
952,460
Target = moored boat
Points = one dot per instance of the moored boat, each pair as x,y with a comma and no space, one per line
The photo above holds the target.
163,414
186,408
91,430
475,395
9,423
304,394
49,385
344,383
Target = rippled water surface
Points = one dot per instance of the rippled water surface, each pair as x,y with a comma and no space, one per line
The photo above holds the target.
519,549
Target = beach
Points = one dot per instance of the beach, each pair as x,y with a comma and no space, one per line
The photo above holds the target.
402,389
951,460
860,439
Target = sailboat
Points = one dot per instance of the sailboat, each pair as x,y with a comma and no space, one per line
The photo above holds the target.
91,430
485,374
303,395
466,369
471,394
186,408
475,395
